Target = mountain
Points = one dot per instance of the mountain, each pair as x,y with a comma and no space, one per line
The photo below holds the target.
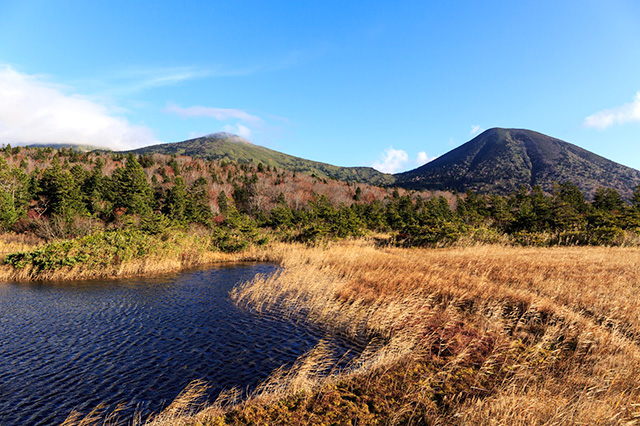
73,146
502,160
220,146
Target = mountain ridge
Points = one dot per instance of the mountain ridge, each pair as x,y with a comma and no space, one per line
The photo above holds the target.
222,145
499,160
502,160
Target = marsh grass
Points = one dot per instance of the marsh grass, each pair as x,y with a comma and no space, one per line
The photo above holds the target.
11,243
504,335
483,335
114,254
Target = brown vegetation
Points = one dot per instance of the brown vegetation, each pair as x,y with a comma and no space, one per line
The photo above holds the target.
466,336
498,335
221,176
10,243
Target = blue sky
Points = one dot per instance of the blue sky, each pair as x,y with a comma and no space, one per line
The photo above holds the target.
388,84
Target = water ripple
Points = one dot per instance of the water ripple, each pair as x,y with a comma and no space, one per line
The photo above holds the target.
138,341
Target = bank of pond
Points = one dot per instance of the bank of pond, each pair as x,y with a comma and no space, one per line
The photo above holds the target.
134,344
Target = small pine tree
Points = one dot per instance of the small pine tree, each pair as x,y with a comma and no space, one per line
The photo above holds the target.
223,203
132,191
176,200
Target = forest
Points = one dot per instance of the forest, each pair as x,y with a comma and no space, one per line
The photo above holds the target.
62,193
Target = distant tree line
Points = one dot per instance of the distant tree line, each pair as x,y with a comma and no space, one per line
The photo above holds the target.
72,195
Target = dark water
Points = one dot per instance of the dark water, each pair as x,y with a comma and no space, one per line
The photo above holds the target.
137,341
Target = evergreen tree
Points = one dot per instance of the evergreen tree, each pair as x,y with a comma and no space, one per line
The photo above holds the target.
197,209
14,194
223,203
472,208
358,193
61,191
569,208
635,200
607,200
132,191
176,201
242,197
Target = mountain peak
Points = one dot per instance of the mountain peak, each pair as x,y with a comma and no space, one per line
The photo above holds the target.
502,160
225,136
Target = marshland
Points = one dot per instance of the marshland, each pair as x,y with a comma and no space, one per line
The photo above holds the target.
405,307
461,335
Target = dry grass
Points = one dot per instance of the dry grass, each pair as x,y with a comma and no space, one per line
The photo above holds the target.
180,252
11,243
520,335
484,335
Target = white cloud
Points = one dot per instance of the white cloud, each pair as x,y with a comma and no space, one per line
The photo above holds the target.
626,113
423,158
393,160
475,130
124,83
220,114
239,129
243,124
35,111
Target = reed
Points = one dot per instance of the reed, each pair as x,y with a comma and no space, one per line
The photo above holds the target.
518,335
10,243
485,335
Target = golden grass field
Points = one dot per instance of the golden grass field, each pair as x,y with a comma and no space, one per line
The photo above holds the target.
484,335
497,335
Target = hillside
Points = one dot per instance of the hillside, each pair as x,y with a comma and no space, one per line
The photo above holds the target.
502,160
225,146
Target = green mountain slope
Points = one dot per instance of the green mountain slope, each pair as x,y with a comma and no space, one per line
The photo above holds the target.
222,145
502,160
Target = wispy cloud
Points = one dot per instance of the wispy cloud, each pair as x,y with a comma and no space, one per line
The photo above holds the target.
626,113
475,130
147,78
33,110
220,114
133,80
238,121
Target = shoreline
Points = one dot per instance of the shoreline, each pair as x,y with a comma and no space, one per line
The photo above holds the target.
114,255
469,335
465,327
134,269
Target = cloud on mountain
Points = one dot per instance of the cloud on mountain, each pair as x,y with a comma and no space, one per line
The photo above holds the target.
396,160
34,110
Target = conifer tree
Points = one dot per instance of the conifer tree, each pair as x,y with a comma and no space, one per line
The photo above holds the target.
635,200
62,192
223,203
14,194
132,191
197,208
177,200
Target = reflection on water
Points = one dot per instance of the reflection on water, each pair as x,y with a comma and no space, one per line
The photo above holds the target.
138,341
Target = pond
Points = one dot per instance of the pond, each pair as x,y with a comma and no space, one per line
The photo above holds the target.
136,341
